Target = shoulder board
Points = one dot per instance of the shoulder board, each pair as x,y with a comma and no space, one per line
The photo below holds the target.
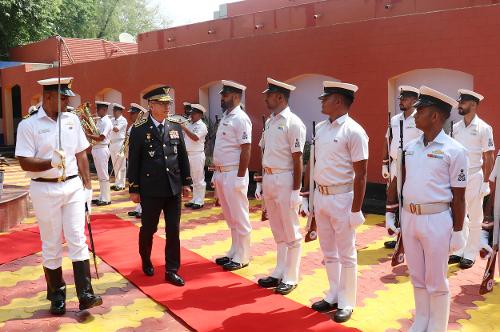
30,114
141,122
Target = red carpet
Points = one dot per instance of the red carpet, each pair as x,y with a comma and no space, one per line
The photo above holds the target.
19,244
212,300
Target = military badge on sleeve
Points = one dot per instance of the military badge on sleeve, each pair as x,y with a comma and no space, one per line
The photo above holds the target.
461,176
245,135
490,142
297,143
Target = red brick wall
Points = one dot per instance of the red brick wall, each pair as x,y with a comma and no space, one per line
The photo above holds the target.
367,53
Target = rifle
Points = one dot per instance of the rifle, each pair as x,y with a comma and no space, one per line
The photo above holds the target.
451,129
398,257
311,227
489,273
92,247
263,216
389,140
216,126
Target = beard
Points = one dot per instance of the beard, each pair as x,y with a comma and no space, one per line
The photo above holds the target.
223,105
402,108
463,111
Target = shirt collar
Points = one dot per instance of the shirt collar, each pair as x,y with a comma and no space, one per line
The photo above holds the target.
340,120
285,113
440,138
41,114
474,121
156,123
234,111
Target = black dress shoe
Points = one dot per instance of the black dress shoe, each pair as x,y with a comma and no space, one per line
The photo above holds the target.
390,244
466,263
95,201
323,306
233,266
454,259
113,187
119,188
188,204
147,268
268,282
342,315
132,213
284,289
222,260
196,206
58,307
88,301
102,203
174,278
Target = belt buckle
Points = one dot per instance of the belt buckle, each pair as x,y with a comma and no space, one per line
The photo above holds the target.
415,209
322,190
60,179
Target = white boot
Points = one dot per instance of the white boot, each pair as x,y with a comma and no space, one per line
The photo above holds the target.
439,310
281,253
421,310
293,264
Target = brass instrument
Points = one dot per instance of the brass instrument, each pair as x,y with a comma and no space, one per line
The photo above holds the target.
124,148
86,120
177,118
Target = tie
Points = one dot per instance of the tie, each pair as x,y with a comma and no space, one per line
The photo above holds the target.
160,129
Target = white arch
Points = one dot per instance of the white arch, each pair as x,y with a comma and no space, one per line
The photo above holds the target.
444,80
304,100
110,95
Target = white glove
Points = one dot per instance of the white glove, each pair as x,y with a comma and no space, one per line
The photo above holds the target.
57,160
457,241
385,171
295,199
258,191
356,219
485,189
304,207
239,183
486,250
390,222
88,199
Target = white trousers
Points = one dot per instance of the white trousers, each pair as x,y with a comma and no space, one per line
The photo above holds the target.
60,209
337,241
427,243
473,218
197,168
284,222
119,163
101,159
234,205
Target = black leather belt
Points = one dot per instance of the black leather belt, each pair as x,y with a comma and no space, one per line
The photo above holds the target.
55,180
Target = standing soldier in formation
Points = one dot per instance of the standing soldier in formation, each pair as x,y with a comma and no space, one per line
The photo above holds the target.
100,152
135,110
407,97
477,137
116,139
158,173
434,176
341,159
283,144
51,149
231,157
194,136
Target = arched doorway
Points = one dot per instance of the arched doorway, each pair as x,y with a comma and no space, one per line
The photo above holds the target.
444,80
17,113
111,96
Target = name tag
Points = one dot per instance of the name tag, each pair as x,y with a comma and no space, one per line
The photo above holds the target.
44,131
433,155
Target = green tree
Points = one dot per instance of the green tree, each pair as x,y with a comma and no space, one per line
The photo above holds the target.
26,21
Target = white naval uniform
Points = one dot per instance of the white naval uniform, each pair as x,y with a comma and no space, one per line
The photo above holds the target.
339,144
116,140
235,129
196,155
477,138
431,172
284,134
100,152
59,207
410,132
138,207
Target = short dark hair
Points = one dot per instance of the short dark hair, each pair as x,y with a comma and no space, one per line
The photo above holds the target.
444,113
347,100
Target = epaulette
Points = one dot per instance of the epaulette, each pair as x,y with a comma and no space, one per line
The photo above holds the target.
30,114
141,122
